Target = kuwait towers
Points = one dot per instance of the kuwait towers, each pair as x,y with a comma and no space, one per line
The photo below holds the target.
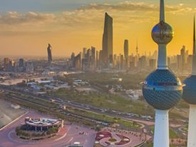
162,89
189,95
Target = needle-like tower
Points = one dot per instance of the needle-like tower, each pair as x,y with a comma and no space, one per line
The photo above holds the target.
189,95
162,89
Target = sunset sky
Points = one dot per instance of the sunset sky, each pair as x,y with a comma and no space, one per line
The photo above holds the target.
27,26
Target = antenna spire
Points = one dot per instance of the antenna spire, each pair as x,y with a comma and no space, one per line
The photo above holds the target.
137,47
194,50
194,41
162,11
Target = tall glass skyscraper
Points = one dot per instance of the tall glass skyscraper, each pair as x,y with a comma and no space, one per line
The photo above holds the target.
126,52
107,42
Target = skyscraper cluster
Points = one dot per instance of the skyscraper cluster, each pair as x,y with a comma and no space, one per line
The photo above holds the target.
91,60
86,61
10,65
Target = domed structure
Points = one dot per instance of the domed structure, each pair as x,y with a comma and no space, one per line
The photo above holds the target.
162,33
189,90
162,89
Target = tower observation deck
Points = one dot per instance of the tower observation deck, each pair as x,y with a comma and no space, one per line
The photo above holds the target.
162,89
189,95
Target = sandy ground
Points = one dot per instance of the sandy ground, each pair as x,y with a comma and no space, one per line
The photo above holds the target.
8,113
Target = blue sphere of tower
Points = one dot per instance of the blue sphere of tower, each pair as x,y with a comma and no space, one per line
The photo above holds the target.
162,89
162,33
189,90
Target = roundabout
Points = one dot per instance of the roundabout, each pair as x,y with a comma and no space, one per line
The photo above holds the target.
13,137
67,135
39,128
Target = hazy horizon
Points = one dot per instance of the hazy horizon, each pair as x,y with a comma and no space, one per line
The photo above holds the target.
69,26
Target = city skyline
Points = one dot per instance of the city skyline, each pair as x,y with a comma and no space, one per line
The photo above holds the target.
71,25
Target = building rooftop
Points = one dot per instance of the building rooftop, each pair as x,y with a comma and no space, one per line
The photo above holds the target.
41,121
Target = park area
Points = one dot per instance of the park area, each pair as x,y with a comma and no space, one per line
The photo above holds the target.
113,137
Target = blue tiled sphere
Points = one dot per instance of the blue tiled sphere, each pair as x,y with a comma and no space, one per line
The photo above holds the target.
162,89
189,90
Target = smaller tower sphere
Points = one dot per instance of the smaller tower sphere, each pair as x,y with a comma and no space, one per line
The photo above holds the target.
162,89
189,90
162,33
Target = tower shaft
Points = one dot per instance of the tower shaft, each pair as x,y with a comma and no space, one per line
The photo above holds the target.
161,132
194,41
192,127
162,57
162,11
162,53
194,51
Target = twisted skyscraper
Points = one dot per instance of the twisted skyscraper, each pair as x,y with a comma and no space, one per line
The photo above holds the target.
49,51
162,89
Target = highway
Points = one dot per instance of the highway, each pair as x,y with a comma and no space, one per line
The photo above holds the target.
146,122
